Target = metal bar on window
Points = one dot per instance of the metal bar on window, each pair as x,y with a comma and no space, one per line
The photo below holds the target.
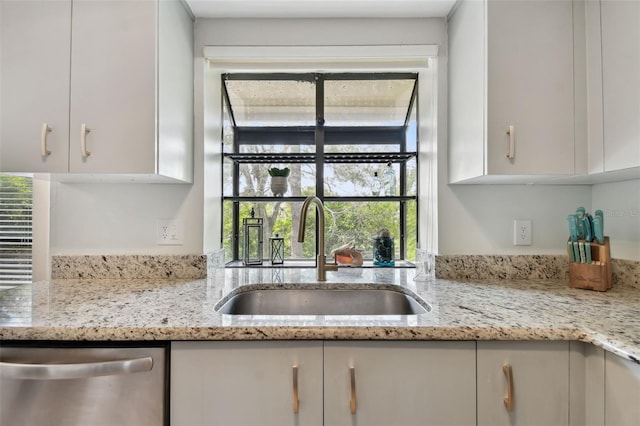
303,135
371,76
227,102
235,218
271,76
319,136
319,139
258,199
412,101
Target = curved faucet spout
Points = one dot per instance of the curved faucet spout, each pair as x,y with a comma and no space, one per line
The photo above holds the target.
321,258
303,218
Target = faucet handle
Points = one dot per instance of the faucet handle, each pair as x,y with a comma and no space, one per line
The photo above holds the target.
323,267
322,260
330,266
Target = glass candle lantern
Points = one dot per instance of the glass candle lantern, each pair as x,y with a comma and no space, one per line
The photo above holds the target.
277,250
252,248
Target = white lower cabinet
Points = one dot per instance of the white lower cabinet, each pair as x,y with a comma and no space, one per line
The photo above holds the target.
537,389
252,383
246,383
621,391
399,383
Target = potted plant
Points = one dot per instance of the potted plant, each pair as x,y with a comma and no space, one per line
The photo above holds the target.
279,180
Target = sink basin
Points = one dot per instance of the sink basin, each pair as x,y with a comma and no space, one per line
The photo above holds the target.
323,301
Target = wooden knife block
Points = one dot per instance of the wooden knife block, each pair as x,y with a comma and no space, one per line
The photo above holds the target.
596,275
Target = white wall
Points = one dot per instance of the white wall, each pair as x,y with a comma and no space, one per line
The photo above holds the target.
41,228
478,219
620,203
474,219
121,218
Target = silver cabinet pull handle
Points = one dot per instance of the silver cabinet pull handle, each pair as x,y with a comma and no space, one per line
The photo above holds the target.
296,401
352,371
83,140
512,142
10,370
509,402
43,140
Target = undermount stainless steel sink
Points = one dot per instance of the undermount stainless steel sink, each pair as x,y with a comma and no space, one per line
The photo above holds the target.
323,301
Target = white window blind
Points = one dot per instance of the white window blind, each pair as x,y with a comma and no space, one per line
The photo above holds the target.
16,201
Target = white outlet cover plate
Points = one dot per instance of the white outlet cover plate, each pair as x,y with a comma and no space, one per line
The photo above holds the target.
522,232
169,232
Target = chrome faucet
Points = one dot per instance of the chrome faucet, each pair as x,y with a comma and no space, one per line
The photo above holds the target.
322,264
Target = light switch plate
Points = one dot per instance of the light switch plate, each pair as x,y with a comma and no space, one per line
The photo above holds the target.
522,232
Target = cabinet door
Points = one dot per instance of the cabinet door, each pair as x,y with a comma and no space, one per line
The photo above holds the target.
620,26
530,86
467,90
113,86
245,383
540,383
399,383
35,52
622,391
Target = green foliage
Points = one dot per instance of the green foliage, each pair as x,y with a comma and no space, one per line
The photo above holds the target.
359,223
16,197
279,172
346,221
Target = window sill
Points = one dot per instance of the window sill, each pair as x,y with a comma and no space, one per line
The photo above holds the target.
312,264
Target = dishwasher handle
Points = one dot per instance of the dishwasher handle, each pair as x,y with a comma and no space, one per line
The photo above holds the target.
9,370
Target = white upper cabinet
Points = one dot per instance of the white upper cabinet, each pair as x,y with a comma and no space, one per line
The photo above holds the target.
125,101
113,87
511,92
613,49
34,83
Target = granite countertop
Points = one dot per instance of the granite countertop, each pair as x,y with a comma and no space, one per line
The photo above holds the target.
154,309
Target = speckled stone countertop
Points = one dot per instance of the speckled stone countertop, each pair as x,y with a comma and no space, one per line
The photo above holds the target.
154,309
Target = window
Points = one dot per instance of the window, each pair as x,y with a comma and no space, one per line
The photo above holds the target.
333,132
16,199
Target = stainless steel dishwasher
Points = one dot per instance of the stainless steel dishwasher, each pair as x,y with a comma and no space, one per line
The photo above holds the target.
89,386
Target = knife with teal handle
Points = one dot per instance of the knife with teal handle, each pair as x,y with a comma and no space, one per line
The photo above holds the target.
601,216
583,255
597,227
573,227
572,256
588,228
580,214
576,250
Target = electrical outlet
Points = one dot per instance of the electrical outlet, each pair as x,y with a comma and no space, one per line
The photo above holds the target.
169,232
522,232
